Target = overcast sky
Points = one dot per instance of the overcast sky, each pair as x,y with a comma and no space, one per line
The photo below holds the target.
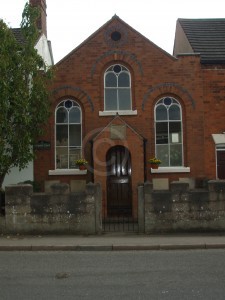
70,22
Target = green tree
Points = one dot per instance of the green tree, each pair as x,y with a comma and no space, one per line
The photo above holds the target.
24,96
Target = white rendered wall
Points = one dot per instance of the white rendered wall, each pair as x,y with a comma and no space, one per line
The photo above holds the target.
42,47
16,176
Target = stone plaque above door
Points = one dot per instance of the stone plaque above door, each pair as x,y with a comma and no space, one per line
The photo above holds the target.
118,132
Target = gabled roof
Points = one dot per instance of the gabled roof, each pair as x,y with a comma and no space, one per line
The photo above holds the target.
207,37
107,24
20,39
18,35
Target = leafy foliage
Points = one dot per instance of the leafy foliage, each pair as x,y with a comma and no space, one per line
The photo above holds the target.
154,160
23,93
81,162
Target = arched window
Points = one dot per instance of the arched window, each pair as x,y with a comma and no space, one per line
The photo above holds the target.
68,134
169,132
117,84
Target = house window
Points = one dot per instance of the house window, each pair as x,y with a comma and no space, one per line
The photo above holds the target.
168,132
68,133
220,161
117,84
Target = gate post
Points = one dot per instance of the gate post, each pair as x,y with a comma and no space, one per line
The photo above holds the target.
93,197
98,208
141,209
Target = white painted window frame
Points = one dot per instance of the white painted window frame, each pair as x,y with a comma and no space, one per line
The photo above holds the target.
66,170
120,112
170,169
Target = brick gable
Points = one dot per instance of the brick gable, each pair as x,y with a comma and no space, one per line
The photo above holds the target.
154,74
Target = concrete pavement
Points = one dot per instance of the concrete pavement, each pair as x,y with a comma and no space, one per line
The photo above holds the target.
111,242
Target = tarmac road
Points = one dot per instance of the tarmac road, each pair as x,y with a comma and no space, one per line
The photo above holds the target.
177,274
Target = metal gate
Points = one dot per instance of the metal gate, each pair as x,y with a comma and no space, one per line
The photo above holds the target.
120,224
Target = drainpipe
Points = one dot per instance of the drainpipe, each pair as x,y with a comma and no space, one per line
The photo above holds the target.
92,162
145,168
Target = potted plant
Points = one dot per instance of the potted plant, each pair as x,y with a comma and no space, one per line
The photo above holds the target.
154,162
81,163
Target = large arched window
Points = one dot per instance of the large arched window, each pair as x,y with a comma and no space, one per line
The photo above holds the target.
68,134
117,84
168,132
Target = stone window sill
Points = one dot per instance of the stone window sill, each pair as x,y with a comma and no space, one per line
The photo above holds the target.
119,112
67,172
171,170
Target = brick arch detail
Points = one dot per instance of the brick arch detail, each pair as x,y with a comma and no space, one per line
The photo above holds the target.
74,91
117,55
168,88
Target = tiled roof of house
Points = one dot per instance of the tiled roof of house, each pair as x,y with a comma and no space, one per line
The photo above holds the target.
18,35
207,37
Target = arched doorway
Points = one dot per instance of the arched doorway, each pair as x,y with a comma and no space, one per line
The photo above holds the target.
119,188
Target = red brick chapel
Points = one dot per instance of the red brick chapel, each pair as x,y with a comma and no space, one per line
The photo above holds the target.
118,100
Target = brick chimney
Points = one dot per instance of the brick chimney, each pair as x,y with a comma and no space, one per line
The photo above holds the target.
42,21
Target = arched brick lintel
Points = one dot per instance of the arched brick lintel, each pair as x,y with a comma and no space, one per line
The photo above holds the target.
77,92
168,87
118,55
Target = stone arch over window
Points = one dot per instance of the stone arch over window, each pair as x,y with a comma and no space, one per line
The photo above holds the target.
117,89
169,132
68,134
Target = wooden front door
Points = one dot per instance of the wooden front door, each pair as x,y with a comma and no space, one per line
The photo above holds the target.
119,190
221,164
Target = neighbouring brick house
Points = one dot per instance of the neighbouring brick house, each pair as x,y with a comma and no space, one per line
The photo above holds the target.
118,100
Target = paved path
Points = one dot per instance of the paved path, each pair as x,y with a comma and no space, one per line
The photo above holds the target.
110,242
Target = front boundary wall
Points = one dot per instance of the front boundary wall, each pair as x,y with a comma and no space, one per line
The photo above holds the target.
178,209
58,212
